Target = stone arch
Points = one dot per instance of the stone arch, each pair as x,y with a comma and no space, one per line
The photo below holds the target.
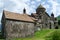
56,27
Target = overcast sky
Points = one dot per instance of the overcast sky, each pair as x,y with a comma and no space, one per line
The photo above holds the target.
30,5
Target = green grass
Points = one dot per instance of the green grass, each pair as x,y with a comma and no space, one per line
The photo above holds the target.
55,35
39,35
42,33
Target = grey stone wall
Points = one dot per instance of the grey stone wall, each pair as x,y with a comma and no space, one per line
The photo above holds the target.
46,20
16,29
44,24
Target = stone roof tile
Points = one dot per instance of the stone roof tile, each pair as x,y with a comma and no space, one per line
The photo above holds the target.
17,16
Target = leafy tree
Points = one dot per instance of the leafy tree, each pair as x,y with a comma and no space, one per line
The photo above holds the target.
59,22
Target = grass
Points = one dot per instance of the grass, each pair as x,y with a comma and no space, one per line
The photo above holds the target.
39,35
42,33
55,35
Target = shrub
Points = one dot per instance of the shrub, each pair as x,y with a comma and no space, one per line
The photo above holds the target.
54,36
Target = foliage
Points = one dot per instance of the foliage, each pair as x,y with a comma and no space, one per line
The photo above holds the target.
59,22
58,17
54,36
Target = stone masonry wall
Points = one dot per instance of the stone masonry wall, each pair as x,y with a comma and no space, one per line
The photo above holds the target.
15,29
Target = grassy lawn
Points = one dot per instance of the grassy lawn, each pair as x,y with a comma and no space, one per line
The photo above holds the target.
39,35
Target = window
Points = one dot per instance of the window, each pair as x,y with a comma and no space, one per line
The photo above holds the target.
50,25
40,17
56,27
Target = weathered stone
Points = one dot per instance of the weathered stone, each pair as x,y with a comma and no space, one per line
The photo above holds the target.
18,29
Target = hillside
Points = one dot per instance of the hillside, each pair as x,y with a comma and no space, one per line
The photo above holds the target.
58,17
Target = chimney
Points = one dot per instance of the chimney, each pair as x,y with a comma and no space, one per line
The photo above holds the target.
52,14
24,11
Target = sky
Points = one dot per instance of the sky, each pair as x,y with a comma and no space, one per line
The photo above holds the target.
30,6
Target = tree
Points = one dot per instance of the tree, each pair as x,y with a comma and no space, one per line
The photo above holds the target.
58,22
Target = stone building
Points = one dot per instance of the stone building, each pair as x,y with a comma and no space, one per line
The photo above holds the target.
44,21
15,25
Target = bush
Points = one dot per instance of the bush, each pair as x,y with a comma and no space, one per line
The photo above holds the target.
54,36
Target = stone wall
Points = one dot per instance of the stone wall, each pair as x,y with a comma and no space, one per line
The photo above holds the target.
16,29
44,21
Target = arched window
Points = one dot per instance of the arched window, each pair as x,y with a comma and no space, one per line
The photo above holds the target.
56,27
50,25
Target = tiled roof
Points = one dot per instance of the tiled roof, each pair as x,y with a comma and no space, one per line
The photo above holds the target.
34,14
17,16
47,14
